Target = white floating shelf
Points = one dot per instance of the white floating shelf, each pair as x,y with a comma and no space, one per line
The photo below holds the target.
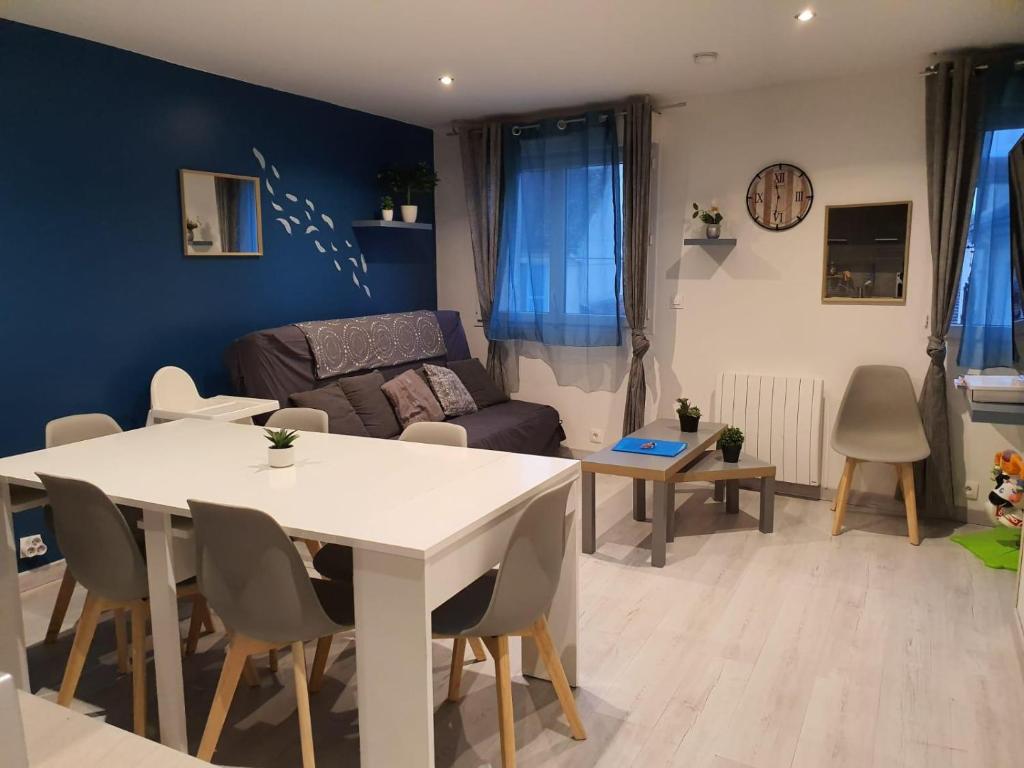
730,241
390,224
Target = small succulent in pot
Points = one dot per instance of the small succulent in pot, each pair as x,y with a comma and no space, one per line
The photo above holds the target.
387,208
731,441
689,415
282,446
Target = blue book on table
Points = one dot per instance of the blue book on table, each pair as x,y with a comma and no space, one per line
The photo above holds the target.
650,447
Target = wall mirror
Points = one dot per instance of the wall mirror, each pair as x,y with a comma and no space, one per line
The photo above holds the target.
220,214
866,253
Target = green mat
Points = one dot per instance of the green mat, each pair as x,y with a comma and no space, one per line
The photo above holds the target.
997,547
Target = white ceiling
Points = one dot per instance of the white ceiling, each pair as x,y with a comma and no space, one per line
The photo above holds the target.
385,57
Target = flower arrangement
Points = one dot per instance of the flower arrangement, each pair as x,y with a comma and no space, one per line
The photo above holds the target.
709,216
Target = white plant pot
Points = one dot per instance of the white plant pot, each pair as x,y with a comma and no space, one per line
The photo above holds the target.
281,457
387,214
409,213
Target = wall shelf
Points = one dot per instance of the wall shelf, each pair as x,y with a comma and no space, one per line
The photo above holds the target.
995,413
729,241
390,224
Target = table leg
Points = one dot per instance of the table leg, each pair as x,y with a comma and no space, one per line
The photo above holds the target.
670,525
163,604
393,665
563,616
732,496
639,500
719,493
589,514
12,630
767,518
662,504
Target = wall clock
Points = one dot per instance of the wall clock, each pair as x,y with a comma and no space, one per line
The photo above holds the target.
780,197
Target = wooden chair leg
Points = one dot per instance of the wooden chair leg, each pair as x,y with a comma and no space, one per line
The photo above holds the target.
139,667
272,660
195,624
252,677
60,607
498,646
477,646
316,676
455,673
80,649
208,626
910,500
312,546
237,656
842,494
302,700
553,663
121,633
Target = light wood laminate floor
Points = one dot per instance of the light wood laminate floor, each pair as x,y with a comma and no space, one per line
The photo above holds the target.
746,651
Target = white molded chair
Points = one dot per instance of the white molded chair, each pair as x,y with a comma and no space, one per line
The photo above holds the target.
302,419
435,433
172,389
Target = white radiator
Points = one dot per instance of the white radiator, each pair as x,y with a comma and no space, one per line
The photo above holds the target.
781,417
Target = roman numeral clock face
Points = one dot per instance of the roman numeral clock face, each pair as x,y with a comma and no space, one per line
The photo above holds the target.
780,197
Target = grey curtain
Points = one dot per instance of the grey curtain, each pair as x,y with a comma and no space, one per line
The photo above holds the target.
636,197
227,191
480,145
953,114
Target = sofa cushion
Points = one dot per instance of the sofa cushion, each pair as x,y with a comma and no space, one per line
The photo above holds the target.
516,426
479,383
371,404
342,418
412,399
451,393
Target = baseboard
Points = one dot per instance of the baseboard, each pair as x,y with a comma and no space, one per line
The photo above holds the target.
41,576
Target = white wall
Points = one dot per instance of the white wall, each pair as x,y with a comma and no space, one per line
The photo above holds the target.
755,308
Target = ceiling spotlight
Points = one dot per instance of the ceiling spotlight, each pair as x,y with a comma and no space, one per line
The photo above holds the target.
805,15
706,57
446,79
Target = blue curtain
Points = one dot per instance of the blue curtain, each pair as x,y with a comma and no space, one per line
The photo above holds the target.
559,272
991,294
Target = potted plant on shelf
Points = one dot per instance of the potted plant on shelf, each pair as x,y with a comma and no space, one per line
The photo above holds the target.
387,208
282,446
689,415
712,218
191,225
730,442
419,178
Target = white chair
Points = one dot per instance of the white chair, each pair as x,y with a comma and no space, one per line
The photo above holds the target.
435,433
172,389
302,419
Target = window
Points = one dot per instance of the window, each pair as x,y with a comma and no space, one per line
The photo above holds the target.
559,277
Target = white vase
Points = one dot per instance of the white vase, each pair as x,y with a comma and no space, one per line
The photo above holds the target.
409,213
281,457
387,214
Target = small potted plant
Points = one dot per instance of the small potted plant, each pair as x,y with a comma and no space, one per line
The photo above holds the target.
282,446
419,178
689,415
730,442
191,225
387,208
712,218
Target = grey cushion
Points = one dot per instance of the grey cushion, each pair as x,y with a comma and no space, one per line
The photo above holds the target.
451,393
479,383
341,416
370,404
412,399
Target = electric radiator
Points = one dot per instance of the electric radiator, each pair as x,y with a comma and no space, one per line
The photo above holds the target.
781,417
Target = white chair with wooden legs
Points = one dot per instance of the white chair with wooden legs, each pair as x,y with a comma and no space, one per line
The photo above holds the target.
87,426
878,421
512,600
105,558
255,580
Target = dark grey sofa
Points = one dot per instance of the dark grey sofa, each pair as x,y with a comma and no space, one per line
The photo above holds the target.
277,362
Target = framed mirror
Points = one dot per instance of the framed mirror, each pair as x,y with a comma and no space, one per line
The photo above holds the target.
866,253
220,214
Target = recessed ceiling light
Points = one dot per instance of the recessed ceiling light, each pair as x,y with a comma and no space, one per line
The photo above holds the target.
706,57
805,15
446,79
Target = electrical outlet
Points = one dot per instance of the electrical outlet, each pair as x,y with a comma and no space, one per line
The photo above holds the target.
677,302
31,546
597,435
971,489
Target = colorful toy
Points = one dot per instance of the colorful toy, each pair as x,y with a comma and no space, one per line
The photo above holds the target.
1004,500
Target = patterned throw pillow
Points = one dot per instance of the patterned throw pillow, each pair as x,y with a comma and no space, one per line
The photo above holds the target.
412,399
451,392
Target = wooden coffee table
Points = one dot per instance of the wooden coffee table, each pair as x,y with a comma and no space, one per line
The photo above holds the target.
660,470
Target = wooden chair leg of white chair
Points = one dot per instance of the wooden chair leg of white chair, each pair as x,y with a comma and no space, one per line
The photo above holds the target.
842,496
316,676
553,663
476,644
60,607
272,660
455,673
80,649
237,656
195,624
302,700
498,646
910,500
121,635
139,667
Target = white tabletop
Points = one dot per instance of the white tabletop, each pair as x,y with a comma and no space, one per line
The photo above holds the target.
404,498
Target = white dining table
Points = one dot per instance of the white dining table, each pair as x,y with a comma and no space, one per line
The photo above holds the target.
424,521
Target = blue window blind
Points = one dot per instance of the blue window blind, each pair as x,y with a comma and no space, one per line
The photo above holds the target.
560,251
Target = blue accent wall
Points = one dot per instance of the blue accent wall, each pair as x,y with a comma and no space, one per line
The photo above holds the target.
95,292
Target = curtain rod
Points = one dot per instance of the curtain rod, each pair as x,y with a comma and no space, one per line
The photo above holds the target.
657,109
934,68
